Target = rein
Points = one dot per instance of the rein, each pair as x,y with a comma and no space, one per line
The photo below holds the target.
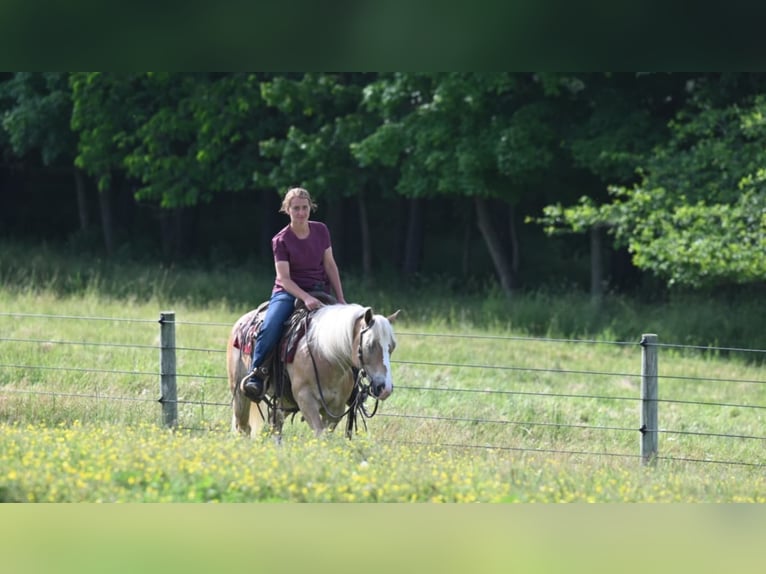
362,390
357,404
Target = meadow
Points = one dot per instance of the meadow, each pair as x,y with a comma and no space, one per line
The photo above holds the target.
530,400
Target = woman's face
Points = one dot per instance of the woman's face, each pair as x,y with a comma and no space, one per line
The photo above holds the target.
299,210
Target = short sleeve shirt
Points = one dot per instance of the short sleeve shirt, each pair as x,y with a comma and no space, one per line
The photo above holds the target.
305,256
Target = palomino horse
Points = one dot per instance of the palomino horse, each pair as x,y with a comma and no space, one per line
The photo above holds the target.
322,376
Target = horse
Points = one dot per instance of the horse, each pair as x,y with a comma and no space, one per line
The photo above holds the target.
317,369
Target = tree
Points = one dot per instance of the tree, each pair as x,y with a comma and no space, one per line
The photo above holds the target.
324,115
36,119
200,139
697,215
487,137
179,138
613,120
107,110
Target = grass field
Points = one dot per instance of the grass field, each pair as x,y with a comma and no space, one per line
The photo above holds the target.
487,407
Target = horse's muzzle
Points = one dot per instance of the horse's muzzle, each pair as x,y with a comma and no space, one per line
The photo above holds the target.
380,390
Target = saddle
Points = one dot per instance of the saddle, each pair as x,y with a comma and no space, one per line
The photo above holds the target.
293,330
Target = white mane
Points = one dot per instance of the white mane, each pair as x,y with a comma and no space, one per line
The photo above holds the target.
331,331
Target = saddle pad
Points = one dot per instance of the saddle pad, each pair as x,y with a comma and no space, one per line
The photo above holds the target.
294,330
247,328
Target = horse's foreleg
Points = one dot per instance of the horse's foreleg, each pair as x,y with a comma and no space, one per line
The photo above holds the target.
276,420
309,407
313,418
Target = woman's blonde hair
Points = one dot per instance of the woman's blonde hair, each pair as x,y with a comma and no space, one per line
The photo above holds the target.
291,194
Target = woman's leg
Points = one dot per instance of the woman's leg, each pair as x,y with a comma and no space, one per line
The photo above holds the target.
281,306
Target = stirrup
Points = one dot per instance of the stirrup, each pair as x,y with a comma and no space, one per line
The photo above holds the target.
250,388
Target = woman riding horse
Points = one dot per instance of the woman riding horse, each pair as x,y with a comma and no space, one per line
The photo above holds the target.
304,264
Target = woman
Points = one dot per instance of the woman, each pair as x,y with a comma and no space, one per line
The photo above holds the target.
304,262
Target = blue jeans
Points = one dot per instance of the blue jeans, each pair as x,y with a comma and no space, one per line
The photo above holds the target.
281,306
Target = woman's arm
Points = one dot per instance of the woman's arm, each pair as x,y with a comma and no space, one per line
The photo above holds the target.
331,268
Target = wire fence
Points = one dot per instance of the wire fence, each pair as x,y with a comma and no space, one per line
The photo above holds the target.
458,391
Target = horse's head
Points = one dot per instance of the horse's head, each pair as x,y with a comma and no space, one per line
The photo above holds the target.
376,343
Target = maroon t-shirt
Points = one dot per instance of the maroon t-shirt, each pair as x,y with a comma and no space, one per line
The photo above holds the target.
305,256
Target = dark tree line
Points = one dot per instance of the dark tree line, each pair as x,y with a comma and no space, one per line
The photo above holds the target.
457,174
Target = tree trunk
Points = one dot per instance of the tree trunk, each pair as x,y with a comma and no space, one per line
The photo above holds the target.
166,235
494,245
82,203
513,237
596,265
107,219
413,246
265,221
465,262
364,229
335,223
172,222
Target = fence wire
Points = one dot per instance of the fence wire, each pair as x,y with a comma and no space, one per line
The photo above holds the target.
418,389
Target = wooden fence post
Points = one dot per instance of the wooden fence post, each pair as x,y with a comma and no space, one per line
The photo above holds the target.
168,390
649,395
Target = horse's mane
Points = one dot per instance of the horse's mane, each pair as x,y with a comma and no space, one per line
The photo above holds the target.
332,331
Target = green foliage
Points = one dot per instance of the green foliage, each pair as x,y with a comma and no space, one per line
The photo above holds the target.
697,217
324,117
36,115
671,163
183,137
526,146
447,133
107,111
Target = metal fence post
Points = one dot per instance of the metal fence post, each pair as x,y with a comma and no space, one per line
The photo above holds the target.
649,395
168,390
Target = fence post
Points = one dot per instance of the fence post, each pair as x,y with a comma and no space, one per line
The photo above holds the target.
168,390
649,395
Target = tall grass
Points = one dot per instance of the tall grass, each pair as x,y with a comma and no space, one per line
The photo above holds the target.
733,318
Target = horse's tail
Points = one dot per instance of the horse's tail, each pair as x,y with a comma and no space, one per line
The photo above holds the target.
246,417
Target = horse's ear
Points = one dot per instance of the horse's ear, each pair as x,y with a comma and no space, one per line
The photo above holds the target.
392,318
368,315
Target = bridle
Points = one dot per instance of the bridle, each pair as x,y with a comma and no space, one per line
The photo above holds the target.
360,352
360,390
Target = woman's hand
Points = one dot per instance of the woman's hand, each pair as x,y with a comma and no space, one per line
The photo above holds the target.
312,303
